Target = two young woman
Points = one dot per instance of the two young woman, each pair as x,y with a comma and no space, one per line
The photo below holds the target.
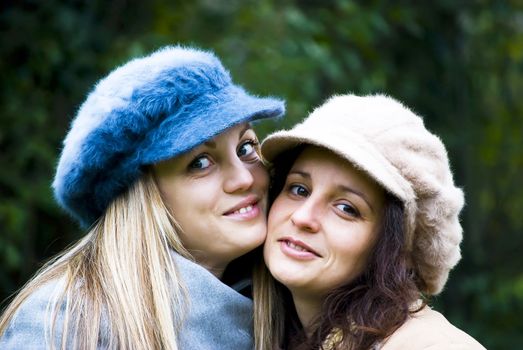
161,167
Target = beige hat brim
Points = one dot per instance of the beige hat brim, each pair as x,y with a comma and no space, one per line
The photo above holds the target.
362,154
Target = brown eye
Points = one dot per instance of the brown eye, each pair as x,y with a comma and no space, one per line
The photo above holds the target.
299,191
200,163
348,209
247,149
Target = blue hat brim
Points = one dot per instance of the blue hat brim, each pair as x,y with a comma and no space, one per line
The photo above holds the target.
205,118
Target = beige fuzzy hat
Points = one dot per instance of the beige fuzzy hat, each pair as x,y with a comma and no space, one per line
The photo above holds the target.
389,142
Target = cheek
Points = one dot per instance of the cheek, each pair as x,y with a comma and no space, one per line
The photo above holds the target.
260,176
186,199
273,228
352,254
169,191
277,214
266,251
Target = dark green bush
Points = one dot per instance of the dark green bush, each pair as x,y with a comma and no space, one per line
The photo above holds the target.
459,64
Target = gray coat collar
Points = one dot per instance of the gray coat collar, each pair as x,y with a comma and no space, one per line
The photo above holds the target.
218,317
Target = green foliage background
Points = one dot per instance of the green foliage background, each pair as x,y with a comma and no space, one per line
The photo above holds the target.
457,63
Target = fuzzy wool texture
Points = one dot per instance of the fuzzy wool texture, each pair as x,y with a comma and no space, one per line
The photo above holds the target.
218,317
385,139
148,110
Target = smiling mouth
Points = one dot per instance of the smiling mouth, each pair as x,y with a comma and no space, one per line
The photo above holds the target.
248,211
300,248
243,210
247,206
296,247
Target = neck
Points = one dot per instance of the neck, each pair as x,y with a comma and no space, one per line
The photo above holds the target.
213,266
307,307
215,270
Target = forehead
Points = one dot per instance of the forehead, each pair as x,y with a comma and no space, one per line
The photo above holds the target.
319,161
317,158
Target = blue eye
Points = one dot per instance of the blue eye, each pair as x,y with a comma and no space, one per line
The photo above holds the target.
248,149
298,190
348,209
200,163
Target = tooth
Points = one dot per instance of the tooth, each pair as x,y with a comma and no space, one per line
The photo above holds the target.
296,247
243,211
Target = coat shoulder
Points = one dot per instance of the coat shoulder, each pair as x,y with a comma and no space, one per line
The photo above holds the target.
31,324
428,329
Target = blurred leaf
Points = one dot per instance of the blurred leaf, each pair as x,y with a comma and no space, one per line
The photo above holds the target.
458,64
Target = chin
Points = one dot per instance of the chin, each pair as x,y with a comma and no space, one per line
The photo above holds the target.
290,283
279,271
247,246
258,234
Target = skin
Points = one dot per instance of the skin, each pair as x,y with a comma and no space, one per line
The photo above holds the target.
321,228
218,195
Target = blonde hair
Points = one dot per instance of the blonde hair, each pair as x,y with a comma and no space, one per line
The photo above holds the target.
120,273
268,317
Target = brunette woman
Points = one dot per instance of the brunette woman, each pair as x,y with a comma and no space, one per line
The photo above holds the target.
363,230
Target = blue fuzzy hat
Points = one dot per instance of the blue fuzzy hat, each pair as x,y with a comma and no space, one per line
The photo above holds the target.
148,110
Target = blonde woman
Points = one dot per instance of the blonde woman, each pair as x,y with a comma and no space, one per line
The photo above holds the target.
363,229
161,167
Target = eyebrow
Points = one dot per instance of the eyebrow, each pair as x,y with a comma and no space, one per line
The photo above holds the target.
340,187
244,130
212,144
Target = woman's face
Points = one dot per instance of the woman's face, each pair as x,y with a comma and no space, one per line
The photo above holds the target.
323,224
218,194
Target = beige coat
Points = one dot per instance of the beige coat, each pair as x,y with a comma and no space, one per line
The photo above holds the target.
429,330
425,330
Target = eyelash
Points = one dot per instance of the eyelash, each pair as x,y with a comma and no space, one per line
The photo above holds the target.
253,142
294,188
192,164
354,212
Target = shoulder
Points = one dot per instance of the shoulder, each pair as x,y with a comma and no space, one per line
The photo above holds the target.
217,317
31,324
430,330
205,287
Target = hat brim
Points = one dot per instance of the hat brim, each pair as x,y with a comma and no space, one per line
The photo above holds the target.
205,118
361,154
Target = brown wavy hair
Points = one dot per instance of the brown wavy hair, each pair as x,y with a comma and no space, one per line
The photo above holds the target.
361,313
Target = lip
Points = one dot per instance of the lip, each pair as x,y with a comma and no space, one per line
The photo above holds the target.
250,201
307,254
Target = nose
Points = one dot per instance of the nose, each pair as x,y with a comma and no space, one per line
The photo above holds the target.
307,217
238,177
